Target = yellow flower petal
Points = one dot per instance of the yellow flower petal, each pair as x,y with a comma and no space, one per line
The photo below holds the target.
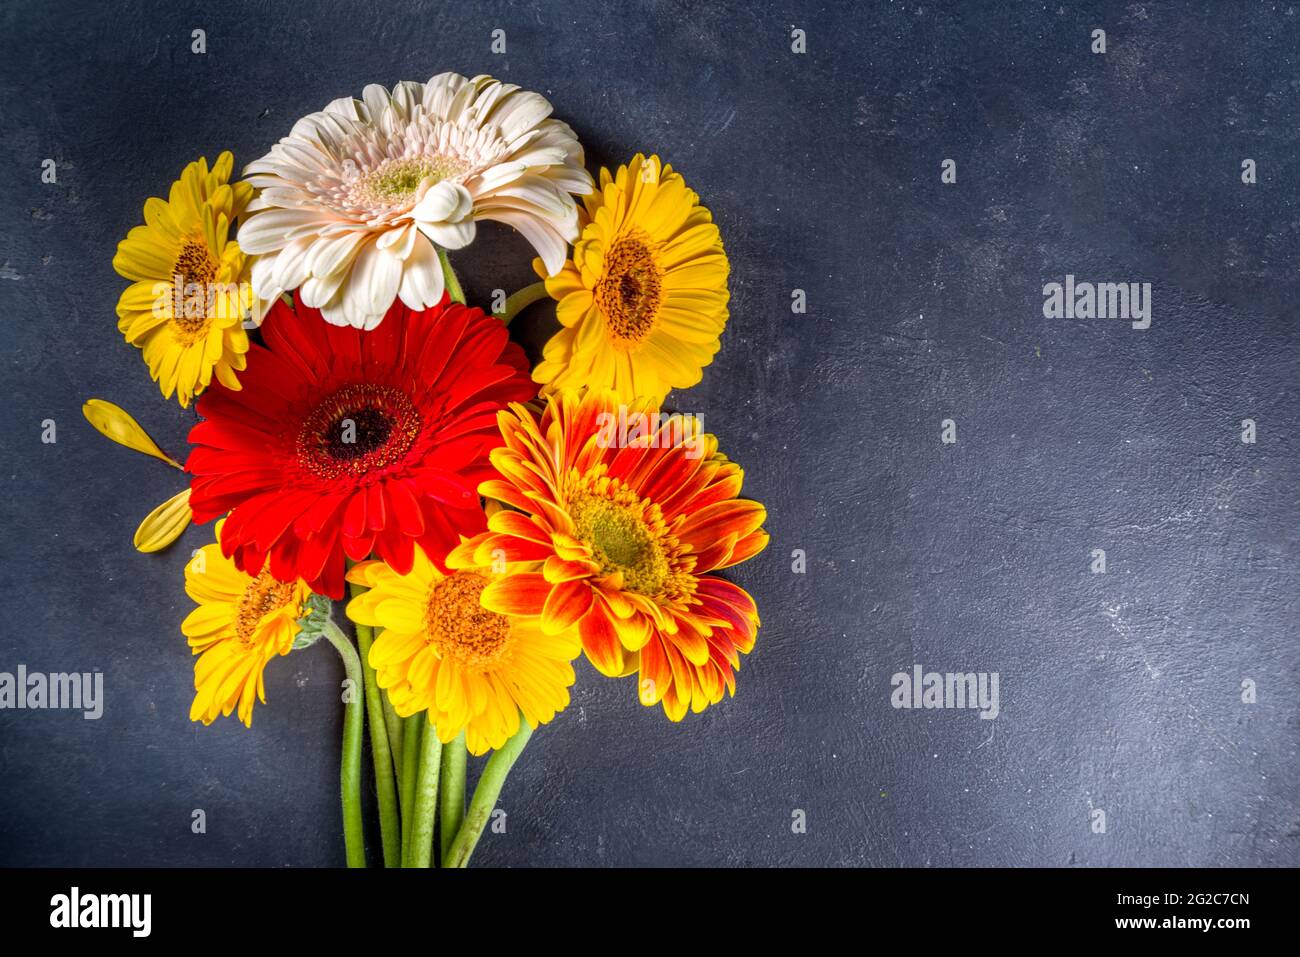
164,524
118,425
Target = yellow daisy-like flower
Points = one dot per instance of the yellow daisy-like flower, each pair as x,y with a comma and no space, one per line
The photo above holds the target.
190,292
242,622
643,301
471,669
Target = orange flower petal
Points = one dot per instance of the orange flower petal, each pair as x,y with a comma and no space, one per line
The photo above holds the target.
567,602
518,525
558,570
522,594
600,642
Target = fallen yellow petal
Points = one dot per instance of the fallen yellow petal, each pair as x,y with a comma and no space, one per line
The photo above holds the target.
115,423
164,524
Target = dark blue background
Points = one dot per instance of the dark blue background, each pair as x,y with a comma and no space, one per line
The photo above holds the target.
1119,691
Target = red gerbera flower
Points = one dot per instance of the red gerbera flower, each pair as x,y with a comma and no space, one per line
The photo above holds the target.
344,442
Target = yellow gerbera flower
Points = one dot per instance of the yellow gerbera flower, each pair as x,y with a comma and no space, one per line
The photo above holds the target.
242,622
442,652
643,301
190,289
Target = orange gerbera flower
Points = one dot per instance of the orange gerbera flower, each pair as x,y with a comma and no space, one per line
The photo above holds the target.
627,510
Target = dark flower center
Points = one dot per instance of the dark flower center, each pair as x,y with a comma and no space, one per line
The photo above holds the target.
262,595
195,263
629,294
357,430
369,430
197,268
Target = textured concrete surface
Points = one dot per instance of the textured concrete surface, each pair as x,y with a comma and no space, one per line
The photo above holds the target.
1120,692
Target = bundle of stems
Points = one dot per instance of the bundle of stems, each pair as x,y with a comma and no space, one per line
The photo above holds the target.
419,780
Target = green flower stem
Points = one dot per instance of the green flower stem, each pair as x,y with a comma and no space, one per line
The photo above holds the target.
426,797
390,827
350,771
394,725
412,729
485,798
453,792
391,722
449,278
519,301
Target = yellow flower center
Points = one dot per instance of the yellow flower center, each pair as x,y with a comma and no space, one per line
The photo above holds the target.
357,430
261,597
396,181
461,629
625,534
197,268
629,292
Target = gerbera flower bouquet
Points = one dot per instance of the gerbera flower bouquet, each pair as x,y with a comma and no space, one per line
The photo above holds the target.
385,468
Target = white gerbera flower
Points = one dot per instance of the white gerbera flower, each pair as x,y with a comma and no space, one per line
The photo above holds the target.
355,200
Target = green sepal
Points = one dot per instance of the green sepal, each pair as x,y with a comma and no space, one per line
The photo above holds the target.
318,610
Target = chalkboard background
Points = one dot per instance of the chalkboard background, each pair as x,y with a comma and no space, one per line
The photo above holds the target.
1120,692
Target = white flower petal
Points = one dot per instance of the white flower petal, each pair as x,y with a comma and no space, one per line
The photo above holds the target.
377,100
334,254
376,274
422,280
291,264
343,106
549,243
521,112
335,313
443,202
497,176
439,92
264,286
408,96
265,232
450,235
539,193
319,291
398,242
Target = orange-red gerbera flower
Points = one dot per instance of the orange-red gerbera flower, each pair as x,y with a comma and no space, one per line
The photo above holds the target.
627,509
343,442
